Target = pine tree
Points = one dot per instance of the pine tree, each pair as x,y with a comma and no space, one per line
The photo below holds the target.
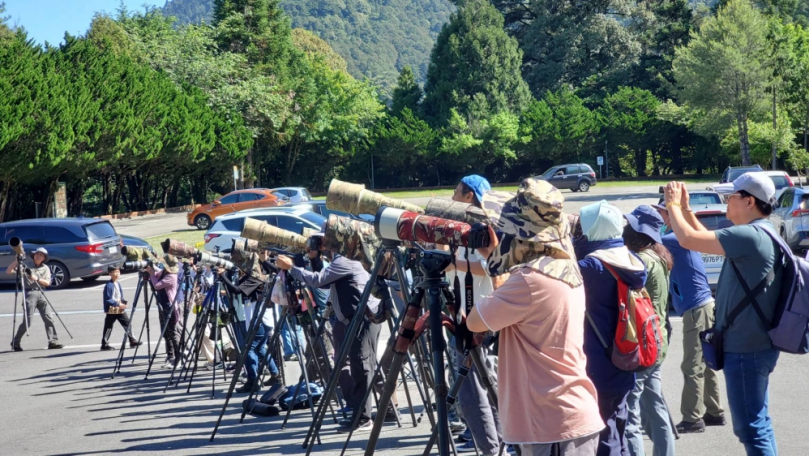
407,93
474,62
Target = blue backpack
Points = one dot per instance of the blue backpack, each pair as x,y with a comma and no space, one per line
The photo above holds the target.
789,330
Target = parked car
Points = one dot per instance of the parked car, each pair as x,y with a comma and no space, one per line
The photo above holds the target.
229,227
77,247
791,217
732,173
319,207
295,194
713,217
238,200
578,177
781,180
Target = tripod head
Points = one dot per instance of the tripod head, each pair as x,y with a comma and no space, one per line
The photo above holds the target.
433,262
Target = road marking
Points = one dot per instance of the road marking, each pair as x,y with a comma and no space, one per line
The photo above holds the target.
70,312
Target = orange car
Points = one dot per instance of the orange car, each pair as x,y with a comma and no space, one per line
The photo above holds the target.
239,200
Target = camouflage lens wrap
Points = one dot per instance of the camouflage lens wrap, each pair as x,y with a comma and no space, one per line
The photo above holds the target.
355,199
273,236
246,260
178,248
352,239
137,254
424,228
454,210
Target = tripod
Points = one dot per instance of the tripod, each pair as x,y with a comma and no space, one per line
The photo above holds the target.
19,290
35,287
142,283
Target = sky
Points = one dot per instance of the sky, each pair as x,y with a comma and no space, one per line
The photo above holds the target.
48,20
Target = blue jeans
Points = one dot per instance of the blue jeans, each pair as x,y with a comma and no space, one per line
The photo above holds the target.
258,350
286,338
646,405
747,376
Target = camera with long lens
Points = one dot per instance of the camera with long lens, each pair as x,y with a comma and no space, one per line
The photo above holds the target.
273,237
137,254
207,258
353,239
244,255
454,210
178,248
355,199
16,245
137,265
397,224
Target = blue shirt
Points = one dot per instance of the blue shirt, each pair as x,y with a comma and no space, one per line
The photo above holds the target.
689,283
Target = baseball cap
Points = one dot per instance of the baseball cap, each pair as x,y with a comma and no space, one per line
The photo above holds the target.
478,184
755,183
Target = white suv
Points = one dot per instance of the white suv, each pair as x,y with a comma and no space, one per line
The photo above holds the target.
225,229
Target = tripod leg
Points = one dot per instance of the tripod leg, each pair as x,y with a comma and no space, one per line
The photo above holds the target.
120,359
206,316
42,292
154,355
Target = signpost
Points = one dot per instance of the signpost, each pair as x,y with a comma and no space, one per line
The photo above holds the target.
235,177
600,161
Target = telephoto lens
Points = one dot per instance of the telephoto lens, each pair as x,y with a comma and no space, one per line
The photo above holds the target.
396,224
454,210
245,259
178,248
136,265
136,253
355,199
273,237
16,244
203,257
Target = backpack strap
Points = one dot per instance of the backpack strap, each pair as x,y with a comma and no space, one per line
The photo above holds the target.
598,333
751,295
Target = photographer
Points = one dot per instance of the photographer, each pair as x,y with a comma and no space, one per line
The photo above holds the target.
39,275
480,415
347,279
547,402
164,280
752,260
115,308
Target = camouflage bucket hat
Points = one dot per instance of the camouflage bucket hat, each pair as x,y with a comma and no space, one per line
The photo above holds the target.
352,239
533,214
170,263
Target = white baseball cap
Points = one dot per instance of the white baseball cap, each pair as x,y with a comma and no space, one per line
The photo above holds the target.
756,183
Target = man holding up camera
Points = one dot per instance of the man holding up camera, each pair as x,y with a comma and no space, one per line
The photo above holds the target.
347,279
36,279
548,404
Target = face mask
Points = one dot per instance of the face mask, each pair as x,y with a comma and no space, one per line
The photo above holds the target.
664,229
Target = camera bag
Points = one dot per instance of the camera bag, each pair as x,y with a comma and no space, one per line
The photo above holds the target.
638,337
255,407
274,393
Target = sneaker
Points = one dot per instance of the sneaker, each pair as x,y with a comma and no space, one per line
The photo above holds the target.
466,436
362,426
347,410
247,387
55,346
107,348
456,427
273,380
292,357
134,343
711,420
687,427
169,364
16,348
468,447
211,366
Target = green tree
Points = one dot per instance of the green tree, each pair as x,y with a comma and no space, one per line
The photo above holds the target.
628,118
474,59
725,68
406,94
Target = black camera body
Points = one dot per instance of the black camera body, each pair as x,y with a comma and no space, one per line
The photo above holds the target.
479,236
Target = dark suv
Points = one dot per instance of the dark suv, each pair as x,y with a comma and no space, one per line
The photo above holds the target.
577,177
77,247
731,173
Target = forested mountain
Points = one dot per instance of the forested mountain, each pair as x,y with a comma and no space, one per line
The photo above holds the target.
376,38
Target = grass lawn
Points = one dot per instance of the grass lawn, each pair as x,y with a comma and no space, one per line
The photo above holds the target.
190,237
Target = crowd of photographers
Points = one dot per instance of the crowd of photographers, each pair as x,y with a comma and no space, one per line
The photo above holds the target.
546,291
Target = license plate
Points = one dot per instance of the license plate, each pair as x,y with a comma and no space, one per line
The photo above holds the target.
113,249
712,259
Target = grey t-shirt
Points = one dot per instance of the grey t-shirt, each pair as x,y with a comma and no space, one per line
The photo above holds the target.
42,272
754,253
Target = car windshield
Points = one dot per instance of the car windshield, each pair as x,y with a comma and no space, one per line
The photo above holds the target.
101,230
315,219
549,173
735,173
780,182
714,220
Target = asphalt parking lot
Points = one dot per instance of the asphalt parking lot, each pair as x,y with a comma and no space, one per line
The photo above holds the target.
63,402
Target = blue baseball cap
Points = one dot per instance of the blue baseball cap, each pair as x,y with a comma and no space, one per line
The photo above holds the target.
478,184
644,219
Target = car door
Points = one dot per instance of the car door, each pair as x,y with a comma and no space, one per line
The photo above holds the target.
227,205
785,215
290,223
557,178
572,174
776,218
247,200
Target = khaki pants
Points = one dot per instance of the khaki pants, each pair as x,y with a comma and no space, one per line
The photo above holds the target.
583,446
701,389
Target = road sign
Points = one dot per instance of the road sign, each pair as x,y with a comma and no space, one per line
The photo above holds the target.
600,160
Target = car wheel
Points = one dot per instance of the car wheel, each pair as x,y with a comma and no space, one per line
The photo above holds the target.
584,186
203,222
60,276
92,278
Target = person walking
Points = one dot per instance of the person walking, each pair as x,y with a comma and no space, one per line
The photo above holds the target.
691,298
115,310
36,280
547,401
646,403
754,261
600,246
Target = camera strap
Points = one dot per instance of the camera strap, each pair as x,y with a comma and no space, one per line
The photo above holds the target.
469,285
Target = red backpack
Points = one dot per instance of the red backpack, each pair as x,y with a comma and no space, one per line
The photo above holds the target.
637,337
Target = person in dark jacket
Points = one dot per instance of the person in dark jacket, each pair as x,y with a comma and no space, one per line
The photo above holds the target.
115,308
164,280
602,244
347,279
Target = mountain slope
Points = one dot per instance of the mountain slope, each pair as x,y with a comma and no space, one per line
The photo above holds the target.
377,38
